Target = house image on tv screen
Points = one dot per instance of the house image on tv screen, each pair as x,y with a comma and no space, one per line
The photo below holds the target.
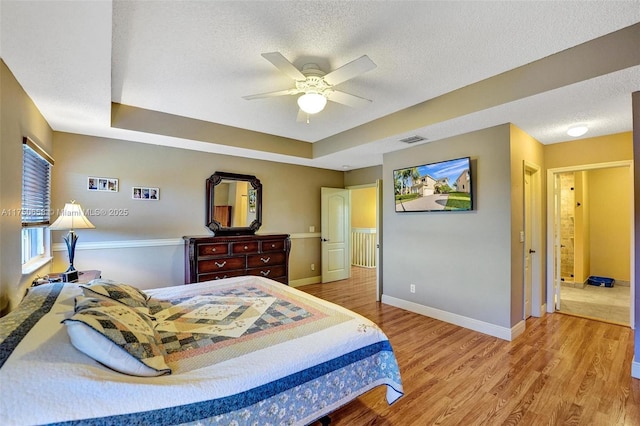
442,186
463,183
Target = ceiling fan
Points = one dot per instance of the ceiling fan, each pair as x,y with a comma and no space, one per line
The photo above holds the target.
317,86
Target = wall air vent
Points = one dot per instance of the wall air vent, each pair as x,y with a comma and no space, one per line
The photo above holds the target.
413,139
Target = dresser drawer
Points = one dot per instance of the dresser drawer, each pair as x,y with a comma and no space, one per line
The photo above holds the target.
244,247
220,275
212,249
273,245
218,257
222,264
267,272
265,259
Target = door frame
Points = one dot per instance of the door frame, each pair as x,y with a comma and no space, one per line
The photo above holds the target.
552,219
537,307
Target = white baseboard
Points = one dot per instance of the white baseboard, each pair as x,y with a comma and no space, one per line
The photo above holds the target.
635,369
305,281
459,320
517,330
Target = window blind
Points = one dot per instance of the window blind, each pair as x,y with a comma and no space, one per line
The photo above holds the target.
36,184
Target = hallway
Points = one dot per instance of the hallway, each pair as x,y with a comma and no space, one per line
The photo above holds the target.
610,304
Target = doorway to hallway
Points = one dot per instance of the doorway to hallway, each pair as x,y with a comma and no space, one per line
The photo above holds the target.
592,227
365,225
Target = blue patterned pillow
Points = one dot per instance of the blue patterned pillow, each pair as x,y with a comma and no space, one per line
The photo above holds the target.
123,293
117,336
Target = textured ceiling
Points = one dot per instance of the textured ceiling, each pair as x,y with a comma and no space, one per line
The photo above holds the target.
197,59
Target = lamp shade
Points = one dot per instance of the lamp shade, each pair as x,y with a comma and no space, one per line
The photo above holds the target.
71,218
312,102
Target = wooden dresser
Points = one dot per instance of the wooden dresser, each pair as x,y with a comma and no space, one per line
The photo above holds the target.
214,258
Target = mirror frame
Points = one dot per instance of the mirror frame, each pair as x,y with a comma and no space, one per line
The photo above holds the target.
215,226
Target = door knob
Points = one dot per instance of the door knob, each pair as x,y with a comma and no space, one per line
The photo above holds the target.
323,239
531,251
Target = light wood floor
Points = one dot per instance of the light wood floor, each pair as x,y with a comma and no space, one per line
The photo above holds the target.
562,370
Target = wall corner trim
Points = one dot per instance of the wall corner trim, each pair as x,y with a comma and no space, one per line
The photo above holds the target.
459,320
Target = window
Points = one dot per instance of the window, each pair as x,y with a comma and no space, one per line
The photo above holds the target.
36,196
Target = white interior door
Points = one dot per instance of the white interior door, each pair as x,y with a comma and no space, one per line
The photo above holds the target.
335,206
528,248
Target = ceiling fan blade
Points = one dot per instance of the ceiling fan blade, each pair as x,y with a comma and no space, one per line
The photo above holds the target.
284,65
348,99
271,94
350,70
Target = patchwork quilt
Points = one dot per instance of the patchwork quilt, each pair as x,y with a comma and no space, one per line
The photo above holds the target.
244,351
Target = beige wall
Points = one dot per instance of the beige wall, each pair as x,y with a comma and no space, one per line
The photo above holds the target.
460,262
19,117
468,264
610,228
525,151
363,207
364,176
291,203
602,149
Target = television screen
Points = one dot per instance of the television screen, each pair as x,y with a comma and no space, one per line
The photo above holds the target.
443,186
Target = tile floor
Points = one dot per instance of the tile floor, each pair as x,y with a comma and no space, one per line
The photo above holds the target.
606,303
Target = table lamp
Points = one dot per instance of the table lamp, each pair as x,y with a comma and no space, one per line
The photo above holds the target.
71,218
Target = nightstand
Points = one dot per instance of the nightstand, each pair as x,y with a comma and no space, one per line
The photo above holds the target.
83,276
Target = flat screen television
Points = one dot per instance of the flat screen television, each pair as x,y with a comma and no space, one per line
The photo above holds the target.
442,186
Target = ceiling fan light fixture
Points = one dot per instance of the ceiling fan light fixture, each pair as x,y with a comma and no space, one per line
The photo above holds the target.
312,102
576,131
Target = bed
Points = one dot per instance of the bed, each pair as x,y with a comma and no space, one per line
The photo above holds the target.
244,351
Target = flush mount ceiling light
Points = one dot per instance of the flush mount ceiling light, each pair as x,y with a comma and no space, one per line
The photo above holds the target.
312,102
576,131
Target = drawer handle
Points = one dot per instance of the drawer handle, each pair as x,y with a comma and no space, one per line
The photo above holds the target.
273,245
220,278
265,260
213,250
265,273
245,247
220,265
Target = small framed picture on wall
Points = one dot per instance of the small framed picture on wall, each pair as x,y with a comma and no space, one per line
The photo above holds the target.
145,193
102,184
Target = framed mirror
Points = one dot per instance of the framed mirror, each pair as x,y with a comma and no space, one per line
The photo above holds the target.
234,204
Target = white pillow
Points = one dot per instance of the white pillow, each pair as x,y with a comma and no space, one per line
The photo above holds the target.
118,337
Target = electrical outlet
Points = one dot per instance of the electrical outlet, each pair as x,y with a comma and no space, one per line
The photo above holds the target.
313,266
312,228
412,288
